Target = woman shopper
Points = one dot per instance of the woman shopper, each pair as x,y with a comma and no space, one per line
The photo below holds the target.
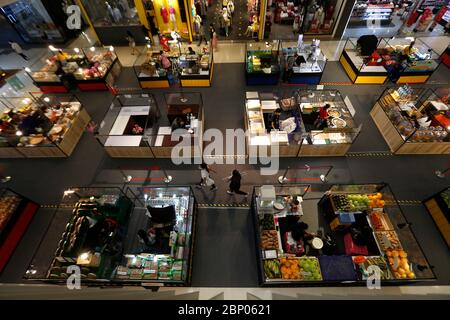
235,184
213,36
206,178
131,42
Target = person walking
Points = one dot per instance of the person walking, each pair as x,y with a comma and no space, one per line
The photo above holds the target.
201,34
213,36
17,49
206,178
131,42
235,184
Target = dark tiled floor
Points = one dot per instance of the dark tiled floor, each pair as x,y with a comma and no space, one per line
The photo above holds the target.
228,232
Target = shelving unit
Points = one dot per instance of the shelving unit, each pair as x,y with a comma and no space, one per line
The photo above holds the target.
363,12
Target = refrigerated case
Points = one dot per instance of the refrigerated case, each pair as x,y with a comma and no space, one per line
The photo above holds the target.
261,63
358,226
413,120
16,213
41,126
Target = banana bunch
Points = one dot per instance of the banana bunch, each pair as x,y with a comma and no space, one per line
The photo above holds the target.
272,268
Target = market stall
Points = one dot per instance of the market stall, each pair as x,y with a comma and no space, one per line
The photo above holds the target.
167,257
150,71
334,241
129,125
308,63
117,238
16,213
134,127
295,125
41,127
61,70
408,60
362,61
413,121
438,206
197,69
261,63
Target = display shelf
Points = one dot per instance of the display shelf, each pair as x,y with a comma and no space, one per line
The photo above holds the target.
261,63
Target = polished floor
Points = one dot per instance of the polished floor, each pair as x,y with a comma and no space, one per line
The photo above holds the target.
228,232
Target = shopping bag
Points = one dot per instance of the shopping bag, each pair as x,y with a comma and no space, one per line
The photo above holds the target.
209,181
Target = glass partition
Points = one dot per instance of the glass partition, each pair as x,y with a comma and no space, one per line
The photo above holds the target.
131,121
307,58
262,57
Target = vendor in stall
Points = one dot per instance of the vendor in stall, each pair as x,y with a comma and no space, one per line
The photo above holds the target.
178,123
62,57
191,51
322,117
275,119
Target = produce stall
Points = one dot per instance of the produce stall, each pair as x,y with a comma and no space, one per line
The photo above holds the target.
334,241
116,240
408,60
309,63
261,63
299,133
363,66
41,127
16,213
95,68
129,126
438,206
413,121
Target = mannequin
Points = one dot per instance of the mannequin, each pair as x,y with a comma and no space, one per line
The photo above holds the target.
197,23
320,16
230,7
126,8
226,20
110,10
165,14
117,15
194,11
173,17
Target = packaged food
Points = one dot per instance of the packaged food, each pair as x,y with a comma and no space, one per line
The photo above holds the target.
269,239
388,240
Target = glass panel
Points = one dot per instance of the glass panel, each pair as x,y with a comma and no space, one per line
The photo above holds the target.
262,57
112,12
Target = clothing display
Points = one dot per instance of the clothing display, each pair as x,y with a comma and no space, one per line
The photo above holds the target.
165,14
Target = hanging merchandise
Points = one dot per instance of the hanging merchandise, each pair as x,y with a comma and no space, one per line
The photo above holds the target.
438,17
424,20
165,14
117,15
173,17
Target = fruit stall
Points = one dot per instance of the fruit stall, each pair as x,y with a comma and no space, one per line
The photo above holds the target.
337,240
99,231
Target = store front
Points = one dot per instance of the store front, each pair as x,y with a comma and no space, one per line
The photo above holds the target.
334,241
39,21
398,17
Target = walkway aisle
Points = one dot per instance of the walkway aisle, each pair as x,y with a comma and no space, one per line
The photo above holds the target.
225,252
